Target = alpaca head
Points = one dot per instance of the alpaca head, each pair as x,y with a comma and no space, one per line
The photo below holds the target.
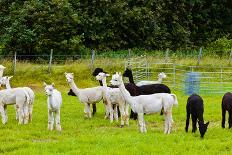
96,71
203,128
127,72
116,79
49,89
162,75
69,77
3,80
101,76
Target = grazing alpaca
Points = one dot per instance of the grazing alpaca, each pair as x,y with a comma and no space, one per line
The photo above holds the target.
87,96
6,81
54,102
145,89
148,104
115,97
18,96
195,108
161,76
227,106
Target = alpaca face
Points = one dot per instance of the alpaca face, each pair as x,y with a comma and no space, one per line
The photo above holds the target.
101,76
4,79
127,72
69,77
162,75
203,129
48,89
116,79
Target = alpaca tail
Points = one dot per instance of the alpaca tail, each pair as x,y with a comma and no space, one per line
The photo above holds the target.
175,99
28,99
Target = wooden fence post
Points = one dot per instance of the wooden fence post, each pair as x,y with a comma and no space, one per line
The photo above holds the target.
230,57
199,57
167,55
92,59
50,62
14,62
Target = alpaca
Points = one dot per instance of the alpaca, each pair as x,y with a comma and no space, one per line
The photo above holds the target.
148,104
227,106
145,89
115,97
6,81
18,96
161,76
86,96
71,93
54,102
195,108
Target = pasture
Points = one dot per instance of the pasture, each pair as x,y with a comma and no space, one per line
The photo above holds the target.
97,136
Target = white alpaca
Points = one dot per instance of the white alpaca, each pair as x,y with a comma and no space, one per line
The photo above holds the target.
6,81
54,102
161,76
148,104
87,96
16,96
115,97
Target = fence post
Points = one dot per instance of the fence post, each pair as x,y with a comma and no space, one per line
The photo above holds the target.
14,62
199,57
174,75
50,61
230,57
92,59
167,55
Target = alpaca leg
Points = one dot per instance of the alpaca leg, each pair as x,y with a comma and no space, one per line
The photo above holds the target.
169,122
2,111
187,119
58,126
165,122
127,113
20,113
16,113
89,111
86,110
116,113
26,114
230,119
141,122
223,116
123,116
194,123
5,110
30,112
50,120
94,108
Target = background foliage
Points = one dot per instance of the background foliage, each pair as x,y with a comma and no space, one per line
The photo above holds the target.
72,26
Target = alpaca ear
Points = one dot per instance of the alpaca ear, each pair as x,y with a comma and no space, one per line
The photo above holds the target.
44,84
207,124
107,74
120,73
53,85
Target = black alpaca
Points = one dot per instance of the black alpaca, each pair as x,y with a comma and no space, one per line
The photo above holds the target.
195,108
227,106
145,89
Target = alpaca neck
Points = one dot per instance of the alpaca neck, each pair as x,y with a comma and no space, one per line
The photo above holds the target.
8,84
131,79
74,88
160,79
104,82
100,82
126,94
51,101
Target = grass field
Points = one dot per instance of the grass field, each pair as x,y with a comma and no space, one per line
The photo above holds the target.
97,135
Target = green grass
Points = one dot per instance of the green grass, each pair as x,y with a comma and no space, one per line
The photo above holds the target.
98,136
